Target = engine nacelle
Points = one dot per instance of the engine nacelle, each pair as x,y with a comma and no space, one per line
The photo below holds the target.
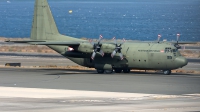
108,48
85,47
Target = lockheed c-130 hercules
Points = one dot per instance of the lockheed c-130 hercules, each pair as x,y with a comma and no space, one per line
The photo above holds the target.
107,56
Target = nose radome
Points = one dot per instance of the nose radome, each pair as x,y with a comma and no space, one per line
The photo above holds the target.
181,61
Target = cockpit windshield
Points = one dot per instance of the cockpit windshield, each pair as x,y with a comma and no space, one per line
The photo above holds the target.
168,50
174,50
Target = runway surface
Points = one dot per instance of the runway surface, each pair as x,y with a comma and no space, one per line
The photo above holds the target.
174,84
23,90
34,89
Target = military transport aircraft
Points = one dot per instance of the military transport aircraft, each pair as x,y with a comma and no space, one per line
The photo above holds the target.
103,56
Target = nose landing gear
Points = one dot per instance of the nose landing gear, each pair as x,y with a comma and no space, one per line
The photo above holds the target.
167,72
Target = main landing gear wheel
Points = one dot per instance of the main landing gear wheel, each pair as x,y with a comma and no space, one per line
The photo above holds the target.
126,70
108,71
118,70
167,72
100,71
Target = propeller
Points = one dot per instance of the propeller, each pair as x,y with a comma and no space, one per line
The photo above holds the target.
96,47
117,49
176,44
159,36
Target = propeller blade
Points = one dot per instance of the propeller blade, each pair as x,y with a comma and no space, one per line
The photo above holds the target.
113,53
124,40
121,56
178,35
114,40
91,42
159,36
93,55
100,38
101,52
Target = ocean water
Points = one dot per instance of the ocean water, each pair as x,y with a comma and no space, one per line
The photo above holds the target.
130,19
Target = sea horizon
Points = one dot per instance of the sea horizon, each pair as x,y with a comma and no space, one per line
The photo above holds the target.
133,20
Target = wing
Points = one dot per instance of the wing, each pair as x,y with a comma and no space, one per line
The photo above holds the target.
38,42
57,43
25,41
184,42
173,42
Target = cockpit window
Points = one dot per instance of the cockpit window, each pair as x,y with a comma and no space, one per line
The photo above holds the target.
174,50
168,50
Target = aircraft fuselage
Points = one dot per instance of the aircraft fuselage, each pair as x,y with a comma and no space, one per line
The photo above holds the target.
146,56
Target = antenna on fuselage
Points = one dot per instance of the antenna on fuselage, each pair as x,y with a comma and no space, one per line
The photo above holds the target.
159,36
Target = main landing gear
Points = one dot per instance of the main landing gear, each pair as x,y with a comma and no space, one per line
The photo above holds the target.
101,71
167,72
120,70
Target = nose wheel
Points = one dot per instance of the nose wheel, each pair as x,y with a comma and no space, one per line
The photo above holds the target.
167,72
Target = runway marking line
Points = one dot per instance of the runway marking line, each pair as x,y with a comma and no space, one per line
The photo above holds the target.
21,92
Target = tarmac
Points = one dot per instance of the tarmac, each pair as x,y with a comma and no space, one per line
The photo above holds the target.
44,89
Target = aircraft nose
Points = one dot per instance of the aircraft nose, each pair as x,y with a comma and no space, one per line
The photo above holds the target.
181,61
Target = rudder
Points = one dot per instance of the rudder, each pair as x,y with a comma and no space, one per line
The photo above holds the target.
43,26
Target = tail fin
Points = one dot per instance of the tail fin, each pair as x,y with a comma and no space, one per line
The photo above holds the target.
43,27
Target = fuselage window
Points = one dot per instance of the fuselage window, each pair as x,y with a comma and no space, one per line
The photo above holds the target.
169,57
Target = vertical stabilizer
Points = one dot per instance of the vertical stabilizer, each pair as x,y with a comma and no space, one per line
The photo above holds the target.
43,27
